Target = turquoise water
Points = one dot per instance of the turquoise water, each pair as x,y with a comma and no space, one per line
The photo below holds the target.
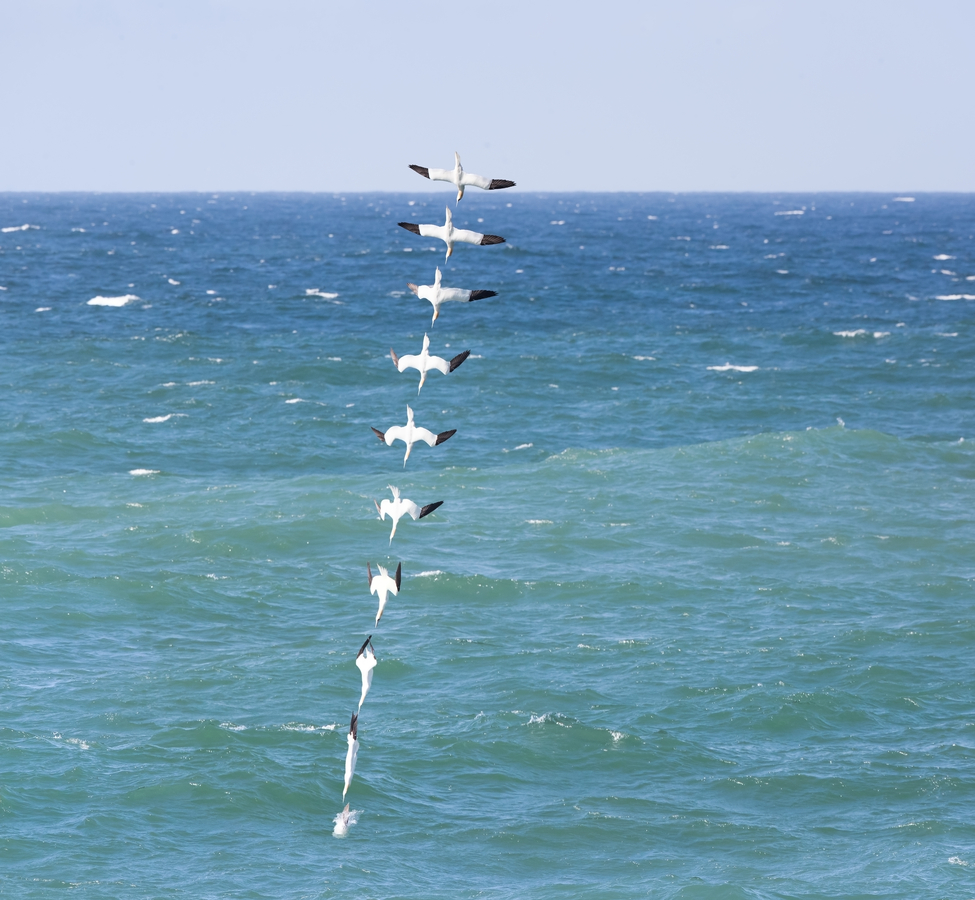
695,617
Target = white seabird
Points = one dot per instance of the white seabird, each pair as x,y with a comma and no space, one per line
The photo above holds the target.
437,294
450,235
400,506
382,585
351,753
343,820
461,179
423,362
409,434
365,659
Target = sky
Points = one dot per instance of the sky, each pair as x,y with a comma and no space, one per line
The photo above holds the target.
615,95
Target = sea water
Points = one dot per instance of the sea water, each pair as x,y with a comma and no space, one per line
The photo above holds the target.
695,619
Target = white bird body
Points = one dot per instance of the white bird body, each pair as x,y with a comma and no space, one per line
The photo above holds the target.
382,585
400,506
450,235
343,820
366,661
351,753
461,179
423,362
409,434
437,294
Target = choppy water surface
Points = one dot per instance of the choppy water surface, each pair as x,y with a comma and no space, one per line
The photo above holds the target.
694,621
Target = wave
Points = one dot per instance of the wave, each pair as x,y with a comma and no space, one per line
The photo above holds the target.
113,301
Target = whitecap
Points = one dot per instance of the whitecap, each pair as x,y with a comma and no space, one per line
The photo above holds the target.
112,301
645,358
325,295
941,257
143,471
295,400
728,367
231,727
195,383
782,271
617,736
955,297
903,199
652,218
10,228
43,309
172,281
539,522
165,418
524,446
850,334
791,212
957,861
720,247
559,222
881,334
429,574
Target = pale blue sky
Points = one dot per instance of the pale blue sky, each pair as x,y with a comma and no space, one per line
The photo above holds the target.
609,95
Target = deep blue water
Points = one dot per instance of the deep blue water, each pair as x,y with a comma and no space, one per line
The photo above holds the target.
695,617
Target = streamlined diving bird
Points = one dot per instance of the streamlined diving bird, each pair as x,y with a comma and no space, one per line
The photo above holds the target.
365,659
409,434
461,179
400,506
437,294
351,753
343,820
450,235
423,362
382,585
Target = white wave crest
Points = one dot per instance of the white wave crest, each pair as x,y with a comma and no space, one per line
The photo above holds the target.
315,292
903,199
539,521
143,471
429,574
955,297
112,301
941,257
728,367
791,212
10,228
852,334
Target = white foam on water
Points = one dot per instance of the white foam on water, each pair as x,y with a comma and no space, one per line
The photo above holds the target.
791,212
645,358
325,295
881,334
429,574
903,199
957,861
344,821
10,228
112,301
43,309
955,297
524,446
946,333
335,359
941,257
720,247
172,281
652,218
295,400
196,383
539,522
782,271
311,729
617,736
230,726
143,472
165,418
850,334
559,222
728,367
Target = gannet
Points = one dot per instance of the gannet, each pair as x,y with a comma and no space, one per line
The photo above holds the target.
461,179
400,506
382,585
343,820
365,659
351,753
449,234
437,294
409,434
423,362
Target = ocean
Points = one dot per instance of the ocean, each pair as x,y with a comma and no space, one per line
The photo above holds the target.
695,619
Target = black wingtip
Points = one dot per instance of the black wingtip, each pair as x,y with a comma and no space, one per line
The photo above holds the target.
379,434
399,577
445,436
354,727
487,239
425,172
365,644
410,226
429,508
483,295
458,359
497,183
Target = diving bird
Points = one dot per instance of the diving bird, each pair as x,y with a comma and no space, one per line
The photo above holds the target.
343,820
450,235
461,179
437,294
400,506
409,434
365,659
382,585
423,362
351,753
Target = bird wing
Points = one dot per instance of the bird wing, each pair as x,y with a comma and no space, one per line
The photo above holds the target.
455,294
482,295
410,507
397,432
434,231
410,361
467,237
425,435
435,362
469,179
440,175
